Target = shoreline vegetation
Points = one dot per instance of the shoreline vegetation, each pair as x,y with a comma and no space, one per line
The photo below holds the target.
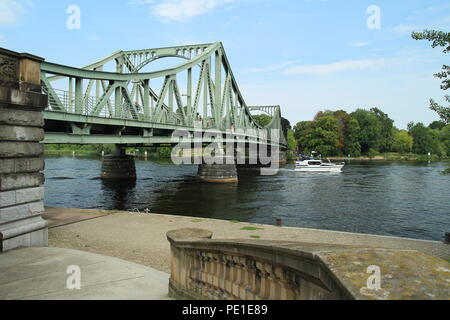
96,150
164,153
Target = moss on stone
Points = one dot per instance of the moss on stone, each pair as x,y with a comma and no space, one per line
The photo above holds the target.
251,228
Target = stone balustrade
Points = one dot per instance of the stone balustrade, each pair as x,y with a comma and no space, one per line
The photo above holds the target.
206,269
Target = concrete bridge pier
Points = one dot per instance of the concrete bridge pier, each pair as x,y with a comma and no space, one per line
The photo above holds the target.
218,173
118,165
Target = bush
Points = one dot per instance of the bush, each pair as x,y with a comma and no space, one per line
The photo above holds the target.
372,153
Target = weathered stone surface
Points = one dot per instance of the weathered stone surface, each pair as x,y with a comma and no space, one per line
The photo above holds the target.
405,275
38,238
16,97
118,167
30,69
300,271
9,198
21,211
10,149
9,68
30,231
16,133
217,173
191,233
21,165
20,181
21,129
13,116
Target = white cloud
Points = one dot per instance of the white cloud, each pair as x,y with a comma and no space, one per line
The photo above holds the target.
184,10
435,8
404,28
335,67
358,44
271,68
10,11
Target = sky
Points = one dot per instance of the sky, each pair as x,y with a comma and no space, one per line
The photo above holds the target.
305,55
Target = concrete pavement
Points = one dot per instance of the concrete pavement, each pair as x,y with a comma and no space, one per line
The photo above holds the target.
41,274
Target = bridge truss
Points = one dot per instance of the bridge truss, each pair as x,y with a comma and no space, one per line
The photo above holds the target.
129,105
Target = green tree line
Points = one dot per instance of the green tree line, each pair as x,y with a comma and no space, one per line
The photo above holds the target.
368,132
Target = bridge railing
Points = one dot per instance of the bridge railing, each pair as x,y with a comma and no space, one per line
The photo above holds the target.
67,100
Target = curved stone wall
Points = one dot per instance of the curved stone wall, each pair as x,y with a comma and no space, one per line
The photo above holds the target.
202,268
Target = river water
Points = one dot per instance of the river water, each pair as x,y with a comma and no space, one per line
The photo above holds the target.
407,199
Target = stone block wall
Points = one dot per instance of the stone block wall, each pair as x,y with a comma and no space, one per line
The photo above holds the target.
21,153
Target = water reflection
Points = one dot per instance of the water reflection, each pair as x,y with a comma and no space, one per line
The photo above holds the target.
118,191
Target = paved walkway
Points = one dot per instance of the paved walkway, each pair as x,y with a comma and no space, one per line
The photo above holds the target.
141,238
40,273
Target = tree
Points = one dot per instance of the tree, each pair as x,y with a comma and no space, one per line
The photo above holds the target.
402,142
387,131
370,135
424,139
342,118
352,131
301,129
439,39
262,119
437,125
319,135
445,139
286,126
292,143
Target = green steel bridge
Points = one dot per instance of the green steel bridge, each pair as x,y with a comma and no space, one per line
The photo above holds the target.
116,101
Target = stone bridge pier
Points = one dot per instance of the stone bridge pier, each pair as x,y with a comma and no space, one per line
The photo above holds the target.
118,165
218,173
21,153
252,157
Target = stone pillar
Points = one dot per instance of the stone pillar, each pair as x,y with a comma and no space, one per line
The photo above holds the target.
118,165
21,153
217,173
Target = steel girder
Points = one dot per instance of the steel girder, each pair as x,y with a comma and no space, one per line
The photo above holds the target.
203,88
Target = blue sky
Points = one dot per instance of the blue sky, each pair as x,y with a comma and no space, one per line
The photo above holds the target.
306,55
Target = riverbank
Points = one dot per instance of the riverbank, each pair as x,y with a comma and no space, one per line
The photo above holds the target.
395,157
141,238
164,153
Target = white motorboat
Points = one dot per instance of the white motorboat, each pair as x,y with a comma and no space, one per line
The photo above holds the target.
313,165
